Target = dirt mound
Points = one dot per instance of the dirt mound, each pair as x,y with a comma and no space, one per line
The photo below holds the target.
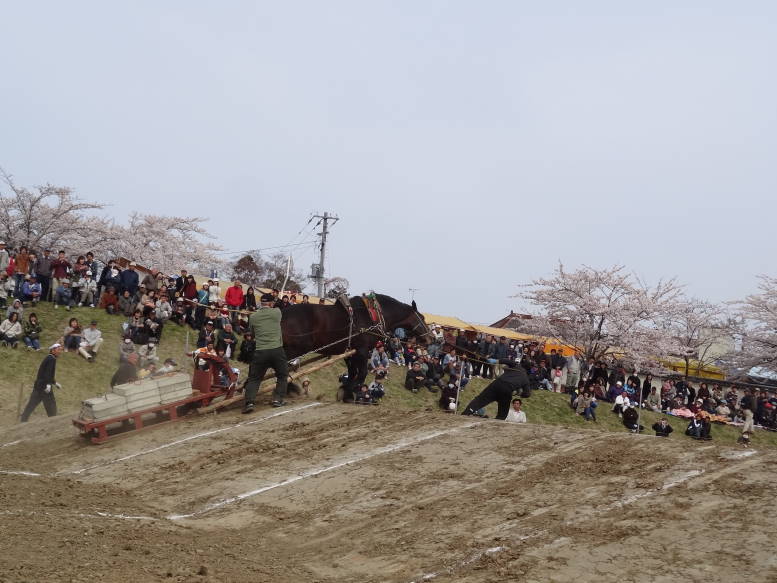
337,493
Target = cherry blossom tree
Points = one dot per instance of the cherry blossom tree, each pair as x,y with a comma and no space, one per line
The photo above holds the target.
605,313
165,243
702,332
49,216
53,217
757,329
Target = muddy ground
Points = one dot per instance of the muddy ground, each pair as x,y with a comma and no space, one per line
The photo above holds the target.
328,492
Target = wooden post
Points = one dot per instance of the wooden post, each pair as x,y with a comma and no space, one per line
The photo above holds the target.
268,384
19,401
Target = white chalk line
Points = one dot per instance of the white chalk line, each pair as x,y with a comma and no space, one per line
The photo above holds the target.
19,473
78,514
10,443
618,504
321,470
158,448
187,439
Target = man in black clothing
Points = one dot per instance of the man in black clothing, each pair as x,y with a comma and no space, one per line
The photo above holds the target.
662,428
501,390
43,389
127,371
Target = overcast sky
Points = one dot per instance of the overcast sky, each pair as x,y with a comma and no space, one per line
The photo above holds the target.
467,147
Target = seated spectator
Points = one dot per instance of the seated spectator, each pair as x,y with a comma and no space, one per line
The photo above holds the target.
31,290
723,410
586,405
109,301
17,308
247,348
379,359
152,326
662,427
87,290
621,404
127,347
306,386
206,335
11,330
91,341
653,400
72,335
6,289
415,378
32,330
362,394
516,415
163,309
126,303
630,420
127,371
376,388
397,352
615,391
226,340
449,394
148,353
179,313
63,295
699,427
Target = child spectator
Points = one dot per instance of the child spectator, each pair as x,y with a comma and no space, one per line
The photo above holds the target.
247,347
362,396
379,359
31,290
377,391
516,415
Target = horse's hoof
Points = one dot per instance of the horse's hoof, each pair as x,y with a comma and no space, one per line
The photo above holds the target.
340,394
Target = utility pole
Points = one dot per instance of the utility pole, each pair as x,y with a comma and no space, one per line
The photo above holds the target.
318,270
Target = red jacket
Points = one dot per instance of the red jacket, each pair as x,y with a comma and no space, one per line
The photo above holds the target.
234,296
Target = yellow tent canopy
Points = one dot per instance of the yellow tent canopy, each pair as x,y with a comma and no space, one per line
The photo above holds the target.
506,332
448,322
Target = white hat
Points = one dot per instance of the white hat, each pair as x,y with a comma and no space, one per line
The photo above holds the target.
132,264
55,346
88,272
127,340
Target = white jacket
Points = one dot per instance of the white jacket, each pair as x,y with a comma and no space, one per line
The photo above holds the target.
11,329
516,416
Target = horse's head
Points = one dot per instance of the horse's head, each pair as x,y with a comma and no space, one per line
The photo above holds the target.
400,315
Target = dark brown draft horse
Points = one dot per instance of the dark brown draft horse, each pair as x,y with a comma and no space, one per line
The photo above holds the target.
309,327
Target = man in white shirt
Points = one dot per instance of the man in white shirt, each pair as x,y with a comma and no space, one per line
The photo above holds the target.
91,341
516,415
621,403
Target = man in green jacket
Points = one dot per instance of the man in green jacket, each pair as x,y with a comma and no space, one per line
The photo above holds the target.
269,353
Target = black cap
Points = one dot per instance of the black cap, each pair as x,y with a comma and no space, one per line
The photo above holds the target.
267,298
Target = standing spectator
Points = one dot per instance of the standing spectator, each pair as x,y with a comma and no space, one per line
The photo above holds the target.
21,270
149,280
6,289
44,384
129,279
92,266
32,330
11,330
43,274
500,353
214,292
573,368
91,342
59,271
180,282
110,276
247,347
234,299
5,258
249,300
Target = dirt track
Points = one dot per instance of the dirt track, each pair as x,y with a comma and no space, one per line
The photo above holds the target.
341,493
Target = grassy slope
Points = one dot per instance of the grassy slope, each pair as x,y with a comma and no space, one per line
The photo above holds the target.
81,380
